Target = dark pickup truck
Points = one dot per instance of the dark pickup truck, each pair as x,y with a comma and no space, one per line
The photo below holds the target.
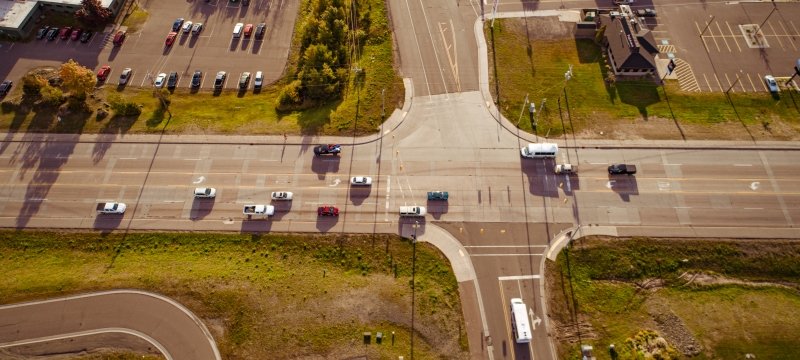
330,149
619,169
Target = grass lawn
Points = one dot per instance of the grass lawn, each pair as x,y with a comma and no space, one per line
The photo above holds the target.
622,287
520,65
262,296
135,19
358,112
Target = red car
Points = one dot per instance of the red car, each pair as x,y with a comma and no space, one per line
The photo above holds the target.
76,34
119,38
248,30
171,38
64,33
102,74
328,210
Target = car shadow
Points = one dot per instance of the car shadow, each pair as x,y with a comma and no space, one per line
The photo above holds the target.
406,226
107,221
257,44
256,224
201,208
540,177
624,185
437,207
325,223
324,164
359,193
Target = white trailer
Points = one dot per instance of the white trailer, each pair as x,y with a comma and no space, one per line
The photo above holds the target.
519,321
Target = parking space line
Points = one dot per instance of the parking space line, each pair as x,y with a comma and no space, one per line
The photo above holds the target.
734,36
723,36
777,36
729,81
707,82
718,82
751,82
763,86
791,37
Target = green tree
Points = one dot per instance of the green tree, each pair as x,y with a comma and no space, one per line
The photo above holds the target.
52,95
32,84
77,79
92,13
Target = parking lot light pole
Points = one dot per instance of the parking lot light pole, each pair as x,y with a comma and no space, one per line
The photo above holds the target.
707,25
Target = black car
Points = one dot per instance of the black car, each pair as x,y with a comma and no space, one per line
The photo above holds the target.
172,80
42,32
260,30
197,78
244,81
329,149
87,35
177,24
219,81
52,34
5,87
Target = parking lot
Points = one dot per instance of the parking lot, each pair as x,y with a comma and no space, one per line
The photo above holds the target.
213,50
726,52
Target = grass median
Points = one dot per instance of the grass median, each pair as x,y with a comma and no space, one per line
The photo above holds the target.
527,61
706,299
262,296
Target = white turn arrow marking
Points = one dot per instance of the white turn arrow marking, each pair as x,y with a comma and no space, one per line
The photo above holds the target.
610,183
536,321
199,180
336,182
754,185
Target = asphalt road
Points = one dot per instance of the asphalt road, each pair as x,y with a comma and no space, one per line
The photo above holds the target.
504,209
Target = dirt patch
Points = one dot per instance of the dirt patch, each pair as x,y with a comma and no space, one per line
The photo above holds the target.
673,328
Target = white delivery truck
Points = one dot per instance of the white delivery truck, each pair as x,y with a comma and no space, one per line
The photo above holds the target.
539,151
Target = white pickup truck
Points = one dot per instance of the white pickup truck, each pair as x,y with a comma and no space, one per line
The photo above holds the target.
258,210
111,208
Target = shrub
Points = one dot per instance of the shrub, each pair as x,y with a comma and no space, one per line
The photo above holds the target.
123,107
32,84
51,95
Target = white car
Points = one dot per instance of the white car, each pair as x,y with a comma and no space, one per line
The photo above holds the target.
258,81
361,181
205,193
187,26
281,195
160,80
772,85
124,76
237,30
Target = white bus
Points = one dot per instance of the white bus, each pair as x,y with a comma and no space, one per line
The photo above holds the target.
540,150
519,321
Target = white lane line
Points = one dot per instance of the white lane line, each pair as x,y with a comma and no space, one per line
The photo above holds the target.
483,255
435,53
519,277
141,335
419,52
504,246
742,164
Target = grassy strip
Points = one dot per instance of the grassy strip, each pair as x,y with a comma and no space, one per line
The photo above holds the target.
135,19
262,296
727,320
536,67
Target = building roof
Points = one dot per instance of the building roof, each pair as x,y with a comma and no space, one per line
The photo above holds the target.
13,13
632,45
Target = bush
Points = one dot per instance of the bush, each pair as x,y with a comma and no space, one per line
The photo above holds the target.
123,107
51,95
32,84
290,95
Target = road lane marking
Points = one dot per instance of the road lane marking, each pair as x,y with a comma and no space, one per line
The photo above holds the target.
519,277
503,246
484,255
416,39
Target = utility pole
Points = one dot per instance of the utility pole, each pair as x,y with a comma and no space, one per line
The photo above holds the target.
734,83
522,110
413,283
707,25
383,102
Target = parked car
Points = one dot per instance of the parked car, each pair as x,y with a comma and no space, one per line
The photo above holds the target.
260,30
248,30
172,80
125,76
102,74
86,36
52,34
187,27
772,85
258,81
197,28
244,81
438,195
327,210
177,24
205,193
76,34
119,38
5,87
64,33
197,79
42,32
160,79
237,30
219,81
646,12
170,39
361,181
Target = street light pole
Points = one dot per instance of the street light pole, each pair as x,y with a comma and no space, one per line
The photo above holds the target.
413,283
707,25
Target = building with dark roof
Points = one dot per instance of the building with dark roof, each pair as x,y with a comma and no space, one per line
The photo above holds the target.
631,46
18,17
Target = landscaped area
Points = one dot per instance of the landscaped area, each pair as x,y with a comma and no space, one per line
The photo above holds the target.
262,296
709,299
529,62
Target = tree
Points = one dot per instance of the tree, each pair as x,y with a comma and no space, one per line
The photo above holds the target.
92,13
52,95
77,79
32,84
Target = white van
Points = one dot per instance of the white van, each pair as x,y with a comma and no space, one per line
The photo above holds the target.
519,322
237,30
540,150
412,211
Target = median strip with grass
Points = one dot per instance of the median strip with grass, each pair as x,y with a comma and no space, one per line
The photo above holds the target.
262,296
